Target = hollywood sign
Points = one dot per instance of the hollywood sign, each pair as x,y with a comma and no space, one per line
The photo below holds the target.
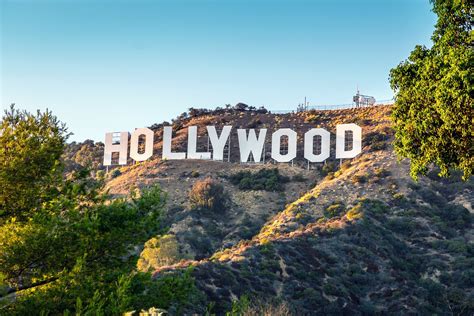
249,143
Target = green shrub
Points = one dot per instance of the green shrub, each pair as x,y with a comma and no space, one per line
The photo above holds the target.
434,291
171,291
458,245
256,122
382,172
100,175
335,209
115,173
158,252
376,208
249,227
403,225
328,167
312,117
376,140
239,306
359,178
378,146
201,243
298,178
246,307
264,179
432,197
355,212
346,165
456,216
401,201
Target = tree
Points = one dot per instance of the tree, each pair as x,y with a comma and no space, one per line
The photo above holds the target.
433,112
64,246
85,247
30,168
241,107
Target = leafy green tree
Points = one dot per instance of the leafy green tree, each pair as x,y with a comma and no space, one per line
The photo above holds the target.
83,247
63,245
433,112
30,168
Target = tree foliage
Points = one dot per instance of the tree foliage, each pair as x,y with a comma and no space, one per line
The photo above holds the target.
433,112
86,248
30,168
64,246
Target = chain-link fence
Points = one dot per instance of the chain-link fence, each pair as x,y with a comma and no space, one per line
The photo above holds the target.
328,107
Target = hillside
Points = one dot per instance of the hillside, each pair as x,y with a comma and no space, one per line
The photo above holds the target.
357,237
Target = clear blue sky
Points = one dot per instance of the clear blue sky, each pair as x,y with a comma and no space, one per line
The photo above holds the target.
115,65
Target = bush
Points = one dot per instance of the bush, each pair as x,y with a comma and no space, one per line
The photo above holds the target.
115,173
378,146
355,213
432,197
401,201
328,168
382,172
246,307
158,252
264,179
405,226
376,140
330,176
335,209
345,165
171,291
457,245
311,118
207,194
359,178
100,175
256,122
298,178
199,242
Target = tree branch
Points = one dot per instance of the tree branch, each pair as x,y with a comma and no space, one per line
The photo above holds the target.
30,286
